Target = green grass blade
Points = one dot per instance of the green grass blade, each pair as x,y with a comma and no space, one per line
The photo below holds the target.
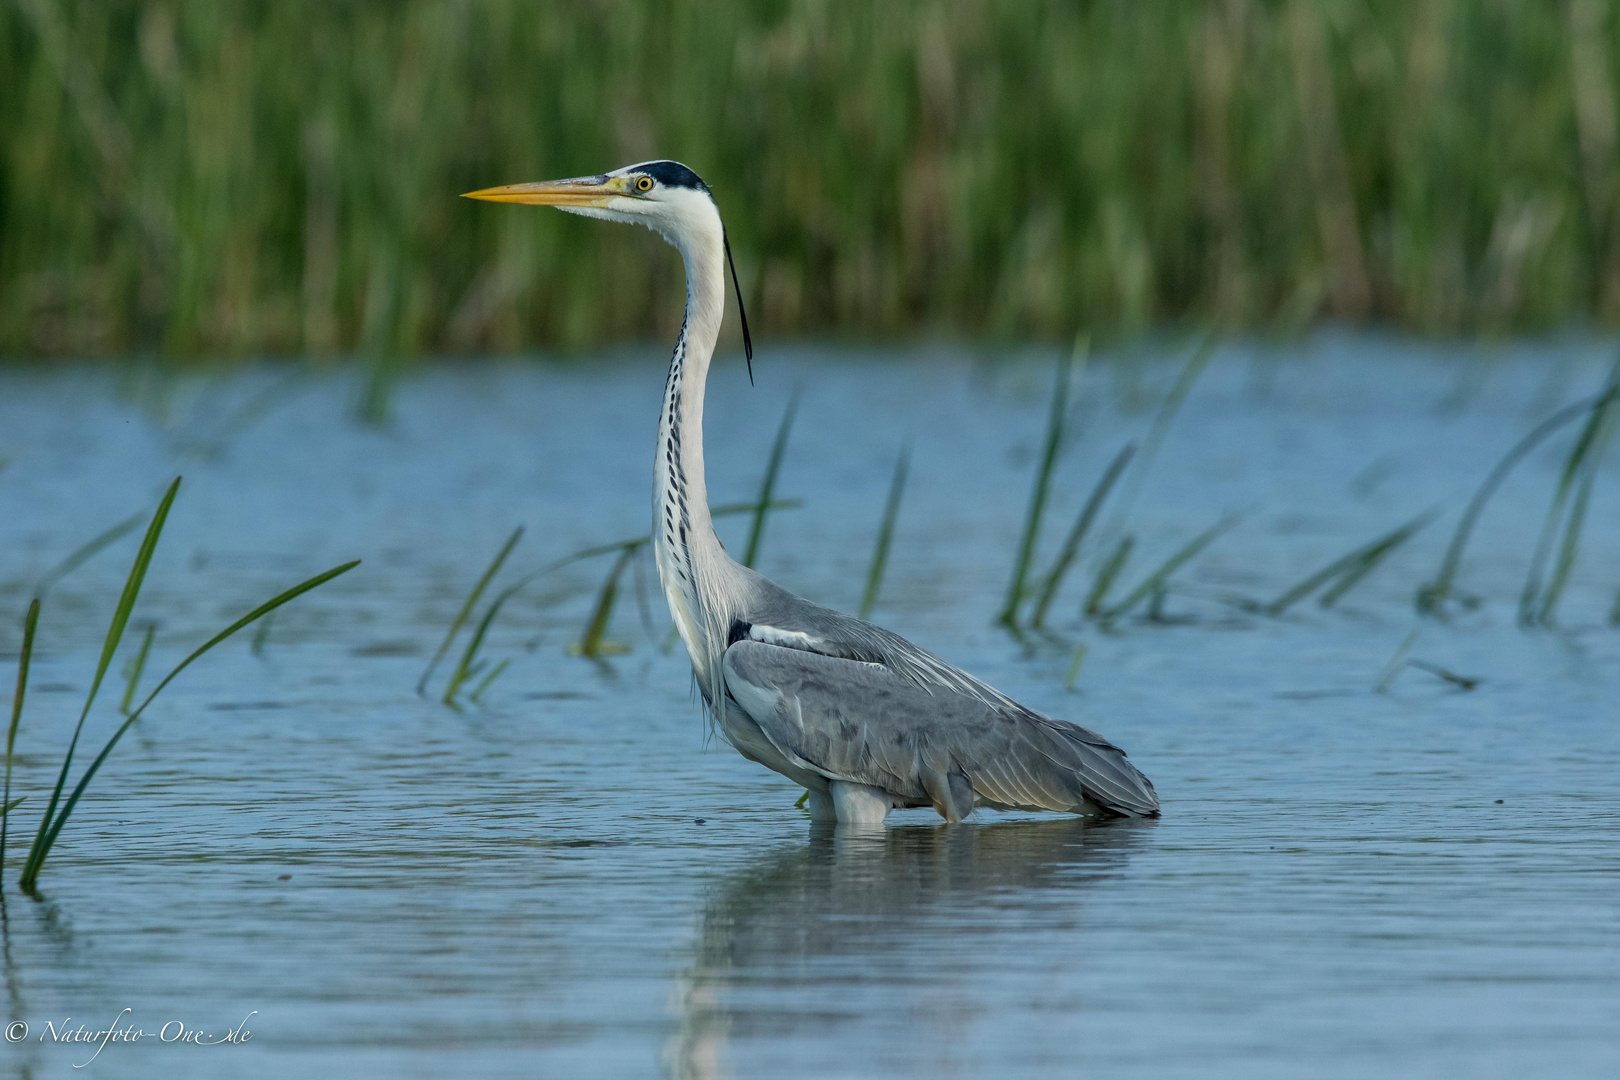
85,553
135,669
1043,483
261,636
1106,574
115,632
1397,663
1431,598
24,661
880,552
1160,428
1348,569
756,531
43,845
1567,550
467,607
602,614
1591,436
1462,682
494,674
1074,668
470,665
1077,534
633,544
1158,578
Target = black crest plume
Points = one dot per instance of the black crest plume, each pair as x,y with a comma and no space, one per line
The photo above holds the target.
748,344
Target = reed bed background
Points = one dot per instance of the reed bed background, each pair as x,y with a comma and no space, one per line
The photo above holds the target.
205,179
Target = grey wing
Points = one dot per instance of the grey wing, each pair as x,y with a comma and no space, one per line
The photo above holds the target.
778,617
860,722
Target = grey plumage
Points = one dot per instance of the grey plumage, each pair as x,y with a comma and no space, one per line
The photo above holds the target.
838,698
859,716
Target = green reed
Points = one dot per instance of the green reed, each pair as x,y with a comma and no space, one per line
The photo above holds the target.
1538,605
468,605
1432,597
57,810
767,486
133,670
84,553
885,537
1347,571
1156,581
1163,418
213,180
1038,495
24,659
1077,534
593,642
1106,574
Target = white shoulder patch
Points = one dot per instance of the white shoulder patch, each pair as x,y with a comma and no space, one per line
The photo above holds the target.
798,639
787,639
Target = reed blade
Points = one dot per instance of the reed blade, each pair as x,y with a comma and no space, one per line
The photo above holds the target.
1431,598
47,839
86,552
756,531
1568,549
1462,682
137,666
1077,534
494,674
1538,606
591,644
24,661
880,552
261,636
1074,668
469,666
109,646
1008,616
1179,391
1349,569
1106,574
1159,577
470,603
1396,663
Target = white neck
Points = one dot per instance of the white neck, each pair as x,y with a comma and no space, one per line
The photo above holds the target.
689,554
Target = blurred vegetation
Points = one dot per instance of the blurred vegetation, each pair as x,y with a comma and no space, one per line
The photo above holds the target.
205,178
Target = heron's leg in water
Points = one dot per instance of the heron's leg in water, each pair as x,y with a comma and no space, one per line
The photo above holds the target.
858,804
821,806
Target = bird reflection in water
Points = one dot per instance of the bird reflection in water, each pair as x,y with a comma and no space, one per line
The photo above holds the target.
784,943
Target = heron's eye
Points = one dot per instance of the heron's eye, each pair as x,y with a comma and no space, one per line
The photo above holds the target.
644,183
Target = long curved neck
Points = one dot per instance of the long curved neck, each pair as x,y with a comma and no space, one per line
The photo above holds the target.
688,552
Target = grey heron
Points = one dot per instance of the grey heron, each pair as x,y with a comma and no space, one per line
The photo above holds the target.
860,717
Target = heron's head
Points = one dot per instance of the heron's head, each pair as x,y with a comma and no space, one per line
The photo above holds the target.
662,195
665,196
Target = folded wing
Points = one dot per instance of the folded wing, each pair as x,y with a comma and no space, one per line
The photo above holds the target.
864,723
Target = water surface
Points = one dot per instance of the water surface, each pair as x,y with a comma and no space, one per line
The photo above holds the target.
572,878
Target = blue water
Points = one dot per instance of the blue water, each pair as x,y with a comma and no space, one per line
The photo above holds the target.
572,878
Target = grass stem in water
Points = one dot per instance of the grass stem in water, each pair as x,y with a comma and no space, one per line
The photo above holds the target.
467,607
1077,534
1161,576
24,659
767,487
880,552
1043,484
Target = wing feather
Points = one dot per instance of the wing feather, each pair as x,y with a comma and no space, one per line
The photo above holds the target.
855,720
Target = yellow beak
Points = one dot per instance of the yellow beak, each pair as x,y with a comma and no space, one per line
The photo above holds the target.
580,191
